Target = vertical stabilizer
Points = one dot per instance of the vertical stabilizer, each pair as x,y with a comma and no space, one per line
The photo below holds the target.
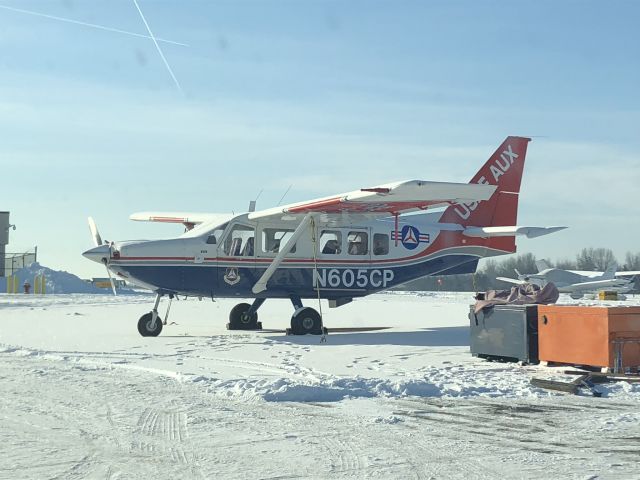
610,272
542,265
504,169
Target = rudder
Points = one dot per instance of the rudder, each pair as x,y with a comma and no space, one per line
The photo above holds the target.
504,169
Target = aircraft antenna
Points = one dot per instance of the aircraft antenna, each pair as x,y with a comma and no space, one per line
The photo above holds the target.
284,195
252,203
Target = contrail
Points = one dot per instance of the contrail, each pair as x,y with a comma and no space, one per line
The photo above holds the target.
158,47
92,25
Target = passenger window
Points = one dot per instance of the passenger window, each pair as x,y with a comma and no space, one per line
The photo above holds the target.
380,244
214,237
330,242
358,243
273,239
239,241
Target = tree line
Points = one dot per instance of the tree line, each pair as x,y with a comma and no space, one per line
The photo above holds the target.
588,259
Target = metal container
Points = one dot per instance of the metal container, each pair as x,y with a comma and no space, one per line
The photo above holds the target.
590,335
505,332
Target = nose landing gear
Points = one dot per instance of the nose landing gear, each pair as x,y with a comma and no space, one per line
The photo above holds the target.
150,324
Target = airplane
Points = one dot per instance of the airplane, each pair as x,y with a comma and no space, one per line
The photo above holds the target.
335,248
575,283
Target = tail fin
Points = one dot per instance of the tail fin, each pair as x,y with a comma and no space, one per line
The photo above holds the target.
610,272
504,169
542,265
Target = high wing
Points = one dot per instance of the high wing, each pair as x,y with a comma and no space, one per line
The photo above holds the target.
188,219
592,274
391,198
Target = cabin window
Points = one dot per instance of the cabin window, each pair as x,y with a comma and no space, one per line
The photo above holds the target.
240,241
330,242
380,244
214,237
358,243
273,239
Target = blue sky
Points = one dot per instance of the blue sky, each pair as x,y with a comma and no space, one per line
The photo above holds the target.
325,96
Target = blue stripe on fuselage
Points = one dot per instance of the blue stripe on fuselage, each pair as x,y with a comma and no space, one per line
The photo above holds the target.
210,280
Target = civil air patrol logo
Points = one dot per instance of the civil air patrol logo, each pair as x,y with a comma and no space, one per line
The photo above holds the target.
232,276
411,237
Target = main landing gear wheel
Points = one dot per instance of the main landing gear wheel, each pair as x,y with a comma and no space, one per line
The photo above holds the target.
241,319
306,320
145,328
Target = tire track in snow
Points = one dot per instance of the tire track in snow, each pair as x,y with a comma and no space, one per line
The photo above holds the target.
165,431
348,461
505,429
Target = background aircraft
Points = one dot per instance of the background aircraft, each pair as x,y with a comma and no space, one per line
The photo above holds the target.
575,283
335,248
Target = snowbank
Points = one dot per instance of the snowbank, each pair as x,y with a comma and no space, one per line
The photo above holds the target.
56,281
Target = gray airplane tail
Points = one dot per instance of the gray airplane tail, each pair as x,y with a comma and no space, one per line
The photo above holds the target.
610,272
542,265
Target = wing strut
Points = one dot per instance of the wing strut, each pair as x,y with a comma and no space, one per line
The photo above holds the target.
261,284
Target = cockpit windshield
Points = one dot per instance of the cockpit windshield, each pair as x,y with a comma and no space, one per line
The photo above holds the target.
214,235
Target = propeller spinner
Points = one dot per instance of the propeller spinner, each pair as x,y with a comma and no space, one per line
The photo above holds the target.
101,252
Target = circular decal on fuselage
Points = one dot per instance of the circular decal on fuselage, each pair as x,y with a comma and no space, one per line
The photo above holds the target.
410,237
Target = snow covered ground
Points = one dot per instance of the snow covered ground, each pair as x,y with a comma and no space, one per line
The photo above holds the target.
82,395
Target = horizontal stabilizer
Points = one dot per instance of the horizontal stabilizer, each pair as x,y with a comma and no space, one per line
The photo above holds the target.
598,284
628,274
511,280
529,232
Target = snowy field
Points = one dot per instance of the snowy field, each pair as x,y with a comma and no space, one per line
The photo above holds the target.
82,395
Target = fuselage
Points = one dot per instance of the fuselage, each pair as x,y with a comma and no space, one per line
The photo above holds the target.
337,260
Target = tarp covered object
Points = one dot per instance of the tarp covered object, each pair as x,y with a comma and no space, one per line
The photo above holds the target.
525,294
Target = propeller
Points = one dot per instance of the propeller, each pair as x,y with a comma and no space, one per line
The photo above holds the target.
97,241
95,234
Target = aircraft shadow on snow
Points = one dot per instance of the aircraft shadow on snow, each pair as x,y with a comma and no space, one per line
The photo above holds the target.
424,337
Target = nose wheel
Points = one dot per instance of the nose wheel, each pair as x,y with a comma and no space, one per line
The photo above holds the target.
148,326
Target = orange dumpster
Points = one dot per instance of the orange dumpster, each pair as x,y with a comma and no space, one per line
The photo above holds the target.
589,335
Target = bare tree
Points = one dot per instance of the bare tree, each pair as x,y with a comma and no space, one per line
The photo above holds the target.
595,259
566,264
632,261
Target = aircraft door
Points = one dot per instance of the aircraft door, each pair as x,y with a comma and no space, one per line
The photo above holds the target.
237,260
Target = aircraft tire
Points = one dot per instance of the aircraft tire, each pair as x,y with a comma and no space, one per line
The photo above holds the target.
306,321
144,325
239,319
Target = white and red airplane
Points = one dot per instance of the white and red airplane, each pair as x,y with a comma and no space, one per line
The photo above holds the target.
335,248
